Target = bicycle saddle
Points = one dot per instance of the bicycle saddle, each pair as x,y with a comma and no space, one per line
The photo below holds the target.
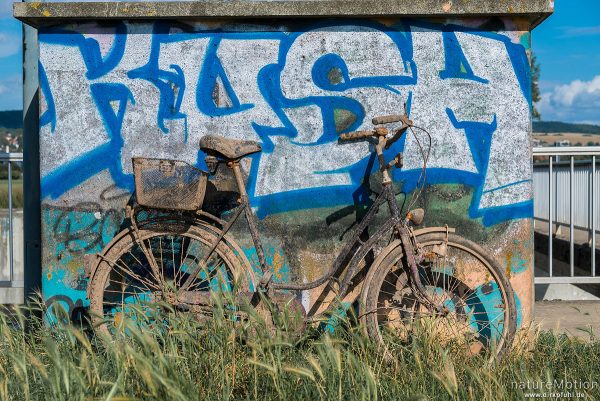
228,148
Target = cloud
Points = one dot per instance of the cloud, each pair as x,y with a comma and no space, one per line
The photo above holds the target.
11,92
9,44
5,8
577,101
574,32
8,83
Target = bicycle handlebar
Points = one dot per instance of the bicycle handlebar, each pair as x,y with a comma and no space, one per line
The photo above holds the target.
356,135
393,118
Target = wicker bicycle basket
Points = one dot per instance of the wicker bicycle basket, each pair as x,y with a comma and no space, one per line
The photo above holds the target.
168,184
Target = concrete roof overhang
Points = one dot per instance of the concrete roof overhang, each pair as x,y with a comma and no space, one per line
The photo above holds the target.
38,14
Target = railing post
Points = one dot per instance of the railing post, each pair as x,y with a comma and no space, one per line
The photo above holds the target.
572,225
10,223
551,204
577,210
593,225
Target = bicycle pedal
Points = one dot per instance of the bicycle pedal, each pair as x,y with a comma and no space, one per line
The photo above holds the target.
182,308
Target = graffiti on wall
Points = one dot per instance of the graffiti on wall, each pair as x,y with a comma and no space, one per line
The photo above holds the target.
114,91
128,90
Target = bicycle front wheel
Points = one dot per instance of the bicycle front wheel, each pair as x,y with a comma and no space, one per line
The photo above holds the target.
475,296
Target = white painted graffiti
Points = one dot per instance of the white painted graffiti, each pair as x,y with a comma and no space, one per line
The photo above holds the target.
153,90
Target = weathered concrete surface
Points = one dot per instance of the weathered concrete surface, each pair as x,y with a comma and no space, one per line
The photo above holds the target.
39,14
11,296
574,318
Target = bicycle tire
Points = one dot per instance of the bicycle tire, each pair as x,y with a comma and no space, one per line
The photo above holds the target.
390,263
227,250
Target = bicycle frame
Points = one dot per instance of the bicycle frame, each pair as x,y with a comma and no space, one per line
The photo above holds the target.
352,252
408,251
355,249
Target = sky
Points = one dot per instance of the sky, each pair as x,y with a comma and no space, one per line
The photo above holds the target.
567,46
11,96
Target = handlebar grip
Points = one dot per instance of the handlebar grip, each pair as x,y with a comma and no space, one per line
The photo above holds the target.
356,135
393,118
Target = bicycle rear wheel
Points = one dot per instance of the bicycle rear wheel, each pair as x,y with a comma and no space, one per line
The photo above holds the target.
125,283
473,290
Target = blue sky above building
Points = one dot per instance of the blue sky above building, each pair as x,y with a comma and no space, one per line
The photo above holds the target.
567,46
11,96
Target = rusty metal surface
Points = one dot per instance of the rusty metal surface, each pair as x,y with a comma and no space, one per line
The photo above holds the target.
168,184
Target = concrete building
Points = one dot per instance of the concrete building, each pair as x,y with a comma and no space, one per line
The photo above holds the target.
118,80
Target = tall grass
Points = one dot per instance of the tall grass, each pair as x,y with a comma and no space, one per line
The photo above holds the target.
17,194
183,359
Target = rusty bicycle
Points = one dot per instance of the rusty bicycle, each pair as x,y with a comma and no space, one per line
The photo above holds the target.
180,254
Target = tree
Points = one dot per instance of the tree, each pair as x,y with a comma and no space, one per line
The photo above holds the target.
535,87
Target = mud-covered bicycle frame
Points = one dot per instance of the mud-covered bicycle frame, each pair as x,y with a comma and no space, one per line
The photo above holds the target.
355,248
398,247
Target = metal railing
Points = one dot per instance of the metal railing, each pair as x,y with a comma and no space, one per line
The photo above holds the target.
13,281
566,195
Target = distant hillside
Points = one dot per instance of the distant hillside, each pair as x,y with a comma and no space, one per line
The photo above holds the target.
556,126
11,119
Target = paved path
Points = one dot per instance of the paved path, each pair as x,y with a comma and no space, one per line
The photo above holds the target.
580,236
575,318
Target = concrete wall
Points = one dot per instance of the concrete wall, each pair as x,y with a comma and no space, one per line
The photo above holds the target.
117,90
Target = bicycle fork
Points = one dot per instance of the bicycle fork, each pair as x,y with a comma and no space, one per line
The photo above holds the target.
402,231
409,254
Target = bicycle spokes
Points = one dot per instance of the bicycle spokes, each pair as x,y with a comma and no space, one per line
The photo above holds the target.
465,305
132,281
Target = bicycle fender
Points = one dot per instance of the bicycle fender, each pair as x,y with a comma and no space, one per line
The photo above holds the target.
89,269
385,251
209,222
